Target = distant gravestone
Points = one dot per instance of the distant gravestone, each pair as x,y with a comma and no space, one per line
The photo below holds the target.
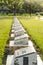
20,32
30,43
12,31
19,41
15,25
17,28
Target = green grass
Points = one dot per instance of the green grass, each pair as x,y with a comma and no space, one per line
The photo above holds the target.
34,28
5,26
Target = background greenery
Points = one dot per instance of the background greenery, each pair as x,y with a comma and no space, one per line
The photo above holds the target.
21,6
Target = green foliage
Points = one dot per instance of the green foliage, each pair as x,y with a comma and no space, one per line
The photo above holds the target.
22,6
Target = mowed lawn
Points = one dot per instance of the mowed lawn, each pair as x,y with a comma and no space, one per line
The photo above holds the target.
5,26
34,28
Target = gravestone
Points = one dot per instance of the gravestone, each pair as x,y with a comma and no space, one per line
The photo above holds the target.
18,28
20,32
30,43
17,25
21,40
26,56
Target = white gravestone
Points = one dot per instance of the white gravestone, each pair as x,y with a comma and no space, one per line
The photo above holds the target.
17,25
20,32
29,53
21,40
12,31
30,43
18,28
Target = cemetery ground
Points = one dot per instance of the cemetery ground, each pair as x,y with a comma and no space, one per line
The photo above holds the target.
5,26
33,26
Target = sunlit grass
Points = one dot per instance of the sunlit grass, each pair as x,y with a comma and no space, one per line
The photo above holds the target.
5,26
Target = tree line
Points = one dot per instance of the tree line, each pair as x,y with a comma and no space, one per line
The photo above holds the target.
21,6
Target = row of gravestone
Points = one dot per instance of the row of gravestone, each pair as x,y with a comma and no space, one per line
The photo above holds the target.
19,38
18,35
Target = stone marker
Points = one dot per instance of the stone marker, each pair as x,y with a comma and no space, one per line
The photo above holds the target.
17,25
18,28
30,43
20,32
21,40
12,31
26,55
11,43
16,22
39,61
12,35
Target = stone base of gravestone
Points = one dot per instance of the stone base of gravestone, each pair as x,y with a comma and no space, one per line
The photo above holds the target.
11,43
39,61
12,32
10,60
30,43
12,36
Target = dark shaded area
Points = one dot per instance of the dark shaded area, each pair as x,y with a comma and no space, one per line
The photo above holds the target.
19,7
